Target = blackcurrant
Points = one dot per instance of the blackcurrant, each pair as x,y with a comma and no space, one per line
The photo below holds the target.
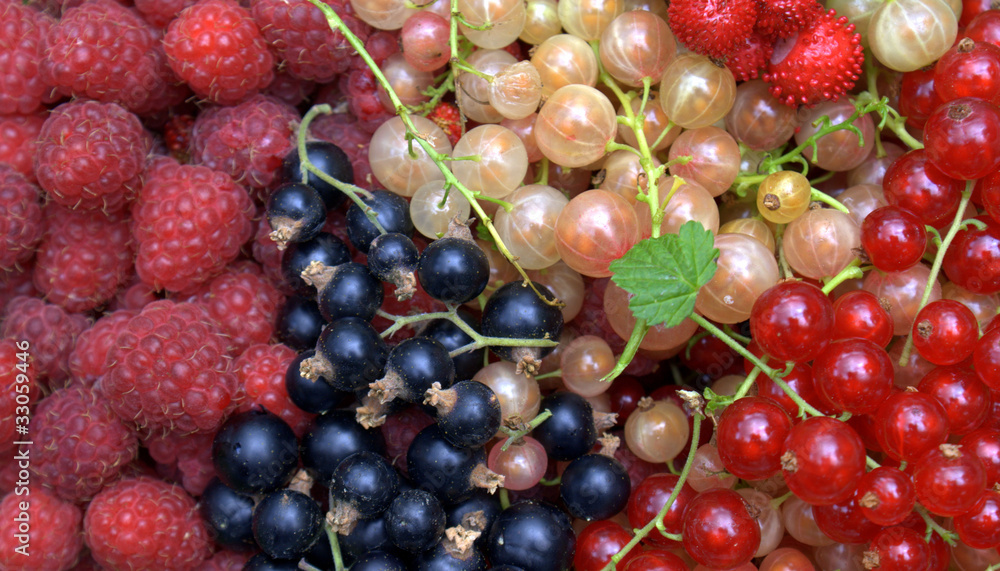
393,258
452,337
468,413
476,514
444,557
350,355
299,323
228,515
311,396
595,486
515,311
532,535
392,212
261,562
329,159
362,486
379,561
449,472
415,521
332,438
286,523
453,270
295,213
347,290
570,432
325,248
412,368
255,452
368,535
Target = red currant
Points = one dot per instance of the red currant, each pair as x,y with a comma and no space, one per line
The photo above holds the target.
855,375
598,543
917,97
648,499
985,27
908,424
800,380
945,332
984,443
719,530
711,357
969,69
986,359
898,549
965,399
624,394
792,321
962,138
860,314
656,560
980,527
750,437
948,481
913,183
894,238
887,495
973,260
989,194
823,460
845,522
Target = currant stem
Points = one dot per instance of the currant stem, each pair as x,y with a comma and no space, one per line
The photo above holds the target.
851,272
746,384
820,196
504,499
628,353
933,527
549,375
478,340
514,435
338,559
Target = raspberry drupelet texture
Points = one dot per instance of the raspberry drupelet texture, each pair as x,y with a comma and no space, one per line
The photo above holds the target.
81,444
169,370
16,283
188,222
161,12
84,258
86,361
218,50
21,222
17,364
56,538
105,51
302,39
23,30
188,457
714,28
247,141
18,134
261,371
51,331
290,90
143,523
91,155
226,560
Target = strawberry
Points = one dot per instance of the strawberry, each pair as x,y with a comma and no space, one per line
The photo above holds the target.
446,116
715,28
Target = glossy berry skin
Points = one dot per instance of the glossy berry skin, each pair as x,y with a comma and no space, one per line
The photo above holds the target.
648,499
962,138
945,332
948,480
414,366
980,526
859,314
297,207
440,558
474,417
908,424
751,436
893,238
415,521
392,255
379,561
325,248
886,495
392,212
261,562
310,396
598,543
326,157
595,487
569,433
286,523
844,522
365,480
986,359
719,530
355,352
351,292
969,69
973,260
917,96
823,460
332,438
299,323
984,443
656,560
481,501
228,516
452,337
438,466
912,182
453,270
855,375
532,535
515,311
368,535
966,400
792,321
899,549
255,452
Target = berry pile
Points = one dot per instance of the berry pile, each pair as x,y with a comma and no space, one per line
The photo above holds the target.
515,285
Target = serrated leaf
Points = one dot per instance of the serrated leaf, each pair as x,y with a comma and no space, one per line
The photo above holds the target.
664,274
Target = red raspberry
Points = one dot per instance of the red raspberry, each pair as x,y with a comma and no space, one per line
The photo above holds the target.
218,50
23,30
106,52
247,141
290,90
362,90
49,329
266,253
342,130
170,370
399,430
244,304
18,134
86,362
446,116
819,63
750,58
782,18
161,12
261,371
17,283
226,560
17,381
81,443
302,39
190,455
143,523
55,541
8,477
715,28
177,136
84,257
135,296
91,155
188,222
20,218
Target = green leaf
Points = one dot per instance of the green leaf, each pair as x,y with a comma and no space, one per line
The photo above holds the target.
664,274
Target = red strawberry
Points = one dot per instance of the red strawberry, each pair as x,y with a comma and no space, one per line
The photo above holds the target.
713,28
446,116
782,18
751,57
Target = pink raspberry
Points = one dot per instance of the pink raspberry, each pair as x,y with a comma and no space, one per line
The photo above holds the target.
290,90
17,283
17,381
55,541
84,257
86,361
244,303
218,50
81,444
226,560
18,134
261,371
106,52
136,295
302,39
188,222
170,370
91,155
190,455
161,12
20,218
247,141
50,330
143,523
23,30
266,253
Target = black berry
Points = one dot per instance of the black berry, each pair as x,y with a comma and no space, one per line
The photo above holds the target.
329,159
255,452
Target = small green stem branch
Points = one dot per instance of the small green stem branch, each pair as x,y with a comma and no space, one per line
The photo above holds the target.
933,527
820,196
478,339
549,375
504,499
628,353
956,224
514,435
338,560
851,272
748,382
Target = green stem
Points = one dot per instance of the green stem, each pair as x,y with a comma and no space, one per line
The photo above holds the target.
851,272
338,560
741,338
514,435
543,174
504,499
549,375
820,196
628,353
744,387
933,527
553,482
478,339
740,349
776,502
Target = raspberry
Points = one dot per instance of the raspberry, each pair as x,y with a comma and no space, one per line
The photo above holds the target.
16,365
86,362
446,116
819,63
261,371
135,296
290,90
782,18
226,560
143,523
84,257
244,304
55,541
399,431
50,331
714,28
189,454
106,52
266,253
161,12
177,136
17,283
750,58
20,218
22,46
247,141
81,443
170,370
218,50
91,155
342,130
362,90
18,134
188,222
302,39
